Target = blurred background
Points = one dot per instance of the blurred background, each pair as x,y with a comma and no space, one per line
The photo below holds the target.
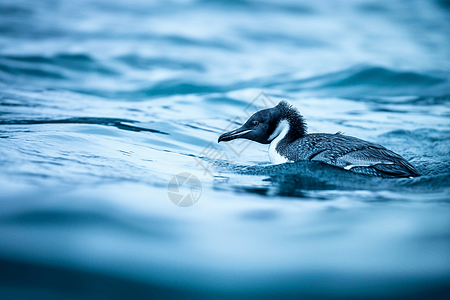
103,102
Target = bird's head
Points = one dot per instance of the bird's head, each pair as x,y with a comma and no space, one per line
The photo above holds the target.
264,125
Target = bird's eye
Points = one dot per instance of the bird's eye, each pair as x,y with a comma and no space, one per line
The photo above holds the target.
255,123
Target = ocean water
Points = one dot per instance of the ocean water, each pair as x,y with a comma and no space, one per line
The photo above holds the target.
103,102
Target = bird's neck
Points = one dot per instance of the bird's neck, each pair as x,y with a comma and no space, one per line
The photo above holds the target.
278,138
280,132
286,132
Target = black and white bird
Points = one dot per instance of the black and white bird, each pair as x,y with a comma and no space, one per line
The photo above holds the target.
284,129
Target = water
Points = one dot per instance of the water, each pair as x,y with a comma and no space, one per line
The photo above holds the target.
102,103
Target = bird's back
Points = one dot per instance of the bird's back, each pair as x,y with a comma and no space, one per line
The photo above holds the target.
348,153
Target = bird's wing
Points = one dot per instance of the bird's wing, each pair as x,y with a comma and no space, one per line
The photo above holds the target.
362,157
385,162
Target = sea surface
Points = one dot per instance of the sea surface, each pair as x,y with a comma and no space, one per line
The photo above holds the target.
103,102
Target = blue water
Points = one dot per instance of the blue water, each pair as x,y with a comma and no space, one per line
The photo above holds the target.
103,102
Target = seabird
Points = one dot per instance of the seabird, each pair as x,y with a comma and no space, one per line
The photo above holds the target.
284,128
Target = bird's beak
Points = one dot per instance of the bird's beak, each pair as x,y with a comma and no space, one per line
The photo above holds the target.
231,135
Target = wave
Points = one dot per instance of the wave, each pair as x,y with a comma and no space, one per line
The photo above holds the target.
173,87
118,123
146,63
296,179
55,66
359,82
380,77
420,135
370,80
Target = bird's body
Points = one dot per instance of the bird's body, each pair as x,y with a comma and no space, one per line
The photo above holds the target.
348,153
284,129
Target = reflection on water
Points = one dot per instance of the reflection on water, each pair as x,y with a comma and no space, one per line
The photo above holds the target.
102,103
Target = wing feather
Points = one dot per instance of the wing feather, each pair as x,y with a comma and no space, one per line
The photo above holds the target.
352,154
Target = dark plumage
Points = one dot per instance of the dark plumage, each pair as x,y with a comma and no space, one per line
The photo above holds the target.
349,153
284,128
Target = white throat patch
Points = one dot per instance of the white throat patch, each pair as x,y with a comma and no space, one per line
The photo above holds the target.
279,133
